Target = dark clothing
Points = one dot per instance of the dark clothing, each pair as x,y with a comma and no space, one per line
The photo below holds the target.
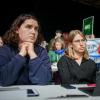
16,69
72,73
97,88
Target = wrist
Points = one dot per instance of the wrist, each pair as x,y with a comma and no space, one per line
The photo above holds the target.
22,54
32,56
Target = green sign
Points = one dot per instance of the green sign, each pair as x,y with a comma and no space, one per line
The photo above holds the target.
88,24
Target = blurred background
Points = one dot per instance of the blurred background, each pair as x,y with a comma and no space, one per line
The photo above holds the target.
64,15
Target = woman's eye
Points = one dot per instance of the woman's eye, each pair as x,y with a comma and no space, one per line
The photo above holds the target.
36,28
29,26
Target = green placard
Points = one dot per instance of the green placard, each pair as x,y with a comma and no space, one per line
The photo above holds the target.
88,24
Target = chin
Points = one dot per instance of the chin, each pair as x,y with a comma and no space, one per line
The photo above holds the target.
81,51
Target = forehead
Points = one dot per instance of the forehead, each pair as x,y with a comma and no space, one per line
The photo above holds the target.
58,43
31,22
78,36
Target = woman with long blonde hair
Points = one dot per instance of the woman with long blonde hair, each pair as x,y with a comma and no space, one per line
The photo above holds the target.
75,67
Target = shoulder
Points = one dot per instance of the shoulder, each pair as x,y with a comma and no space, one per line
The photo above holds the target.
5,52
39,49
91,61
63,61
64,58
5,48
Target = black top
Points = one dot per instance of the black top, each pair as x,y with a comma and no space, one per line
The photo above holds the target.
97,88
73,73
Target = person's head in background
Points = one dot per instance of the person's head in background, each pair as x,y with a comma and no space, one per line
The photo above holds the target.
92,36
65,36
22,30
1,41
57,44
44,44
58,33
77,45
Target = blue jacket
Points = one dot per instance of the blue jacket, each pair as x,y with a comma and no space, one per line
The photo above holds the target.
15,69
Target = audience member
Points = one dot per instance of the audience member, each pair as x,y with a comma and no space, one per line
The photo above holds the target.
44,44
42,41
92,36
22,60
65,37
56,50
75,67
58,33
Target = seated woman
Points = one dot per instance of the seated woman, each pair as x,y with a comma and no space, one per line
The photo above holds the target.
75,67
22,60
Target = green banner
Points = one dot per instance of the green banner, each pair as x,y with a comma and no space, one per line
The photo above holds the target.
88,24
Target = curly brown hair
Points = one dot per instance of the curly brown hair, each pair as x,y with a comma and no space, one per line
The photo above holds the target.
11,37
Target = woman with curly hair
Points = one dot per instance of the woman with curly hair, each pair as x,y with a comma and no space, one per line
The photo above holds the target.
22,59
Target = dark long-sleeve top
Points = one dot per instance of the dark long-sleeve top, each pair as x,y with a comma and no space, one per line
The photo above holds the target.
72,73
96,91
16,69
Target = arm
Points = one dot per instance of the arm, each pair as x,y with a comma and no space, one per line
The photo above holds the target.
63,70
40,68
10,66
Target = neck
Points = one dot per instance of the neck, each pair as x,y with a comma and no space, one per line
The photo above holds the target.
78,56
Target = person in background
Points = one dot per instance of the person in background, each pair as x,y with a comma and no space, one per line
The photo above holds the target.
75,67
65,38
22,60
92,36
56,50
44,44
1,41
42,41
58,33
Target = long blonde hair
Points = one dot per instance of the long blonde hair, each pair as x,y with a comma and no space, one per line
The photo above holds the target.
69,51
